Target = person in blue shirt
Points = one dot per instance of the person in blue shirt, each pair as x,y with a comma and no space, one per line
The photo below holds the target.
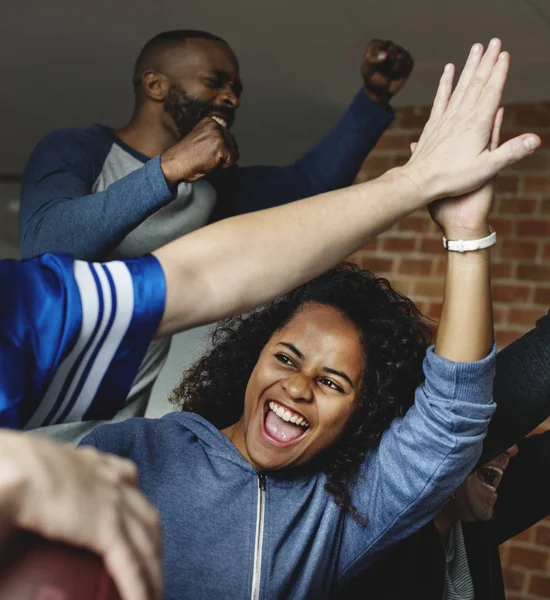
295,463
104,194
227,268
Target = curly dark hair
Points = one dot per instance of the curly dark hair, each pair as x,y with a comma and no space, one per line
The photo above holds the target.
394,335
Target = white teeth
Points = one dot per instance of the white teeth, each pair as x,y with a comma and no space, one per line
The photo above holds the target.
220,121
288,416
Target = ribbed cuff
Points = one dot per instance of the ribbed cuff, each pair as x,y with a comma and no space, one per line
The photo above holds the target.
464,381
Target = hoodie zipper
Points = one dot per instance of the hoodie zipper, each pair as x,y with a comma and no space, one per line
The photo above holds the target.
259,538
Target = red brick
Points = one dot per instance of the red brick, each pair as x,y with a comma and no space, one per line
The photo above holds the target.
431,245
398,244
434,310
430,288
540,586
534,162
514,579
377,264
542,535
545,206
531,558
532,115
524,536
539,185
415,224
377,163
415,266
514,249
401,159
415,117
441,268
405,286
533,227
372,246
501,225
517,206
546,252
393,141
500,314
525,316
507,183
542,296
505,337
501,270
510,292
534,273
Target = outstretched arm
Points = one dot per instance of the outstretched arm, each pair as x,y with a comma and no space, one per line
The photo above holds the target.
425,455
236,264
336,159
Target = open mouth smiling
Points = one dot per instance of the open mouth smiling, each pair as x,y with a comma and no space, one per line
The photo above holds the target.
283,426
490,477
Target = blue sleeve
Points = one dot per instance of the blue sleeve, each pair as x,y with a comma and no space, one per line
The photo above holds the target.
59,211
422,458
73,336
331,164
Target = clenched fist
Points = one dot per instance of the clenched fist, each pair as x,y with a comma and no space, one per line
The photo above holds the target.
385,70
208,146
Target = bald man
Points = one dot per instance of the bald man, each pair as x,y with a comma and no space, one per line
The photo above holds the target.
103,193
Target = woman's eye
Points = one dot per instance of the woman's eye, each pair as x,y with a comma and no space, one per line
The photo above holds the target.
332,385
282,358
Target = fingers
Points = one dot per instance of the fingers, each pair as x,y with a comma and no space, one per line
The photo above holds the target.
230,152
483,75
490,97
495,134
120,561
142,526
412,146
128,538
444,91
513,151
472,63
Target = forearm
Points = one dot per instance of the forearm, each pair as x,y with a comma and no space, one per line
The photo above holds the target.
331,164
234,265
522,389
465,331
58,214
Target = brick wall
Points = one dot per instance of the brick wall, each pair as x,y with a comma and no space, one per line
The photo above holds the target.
412,257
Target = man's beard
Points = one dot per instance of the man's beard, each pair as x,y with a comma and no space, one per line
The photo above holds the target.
187,112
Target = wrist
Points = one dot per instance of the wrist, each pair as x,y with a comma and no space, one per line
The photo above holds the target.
408,182
381,98
458,232
171,170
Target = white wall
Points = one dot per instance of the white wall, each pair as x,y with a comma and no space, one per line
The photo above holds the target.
186,348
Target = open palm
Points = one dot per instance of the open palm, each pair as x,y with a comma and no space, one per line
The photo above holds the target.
469,212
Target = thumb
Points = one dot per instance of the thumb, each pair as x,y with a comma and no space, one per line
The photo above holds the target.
412,146
514,150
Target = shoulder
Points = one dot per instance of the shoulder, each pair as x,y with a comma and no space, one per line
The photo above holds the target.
138,438
74,144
